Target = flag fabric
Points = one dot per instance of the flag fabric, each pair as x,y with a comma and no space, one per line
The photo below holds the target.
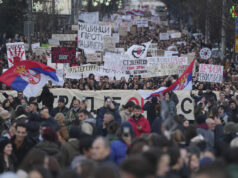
138,12
138,51
29,77
184,82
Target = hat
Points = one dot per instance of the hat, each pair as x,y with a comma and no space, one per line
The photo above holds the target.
61,99
5,114
232,101
127,124
129,104
3,142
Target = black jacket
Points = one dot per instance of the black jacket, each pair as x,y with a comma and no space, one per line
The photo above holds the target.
23,149
56,110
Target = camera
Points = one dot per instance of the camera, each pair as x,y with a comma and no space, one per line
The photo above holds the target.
83,98
108,99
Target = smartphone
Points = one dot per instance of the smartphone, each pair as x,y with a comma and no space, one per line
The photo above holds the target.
108,99
83,98
126,131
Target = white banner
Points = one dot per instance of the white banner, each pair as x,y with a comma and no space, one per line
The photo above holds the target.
155,61
170,53
153,49
142,23
54,42
15,52
94,57
210,73
80,69
135,66
138,51
96,99
91,36
117,37
164,36
176,35
109,43
114,61
89,17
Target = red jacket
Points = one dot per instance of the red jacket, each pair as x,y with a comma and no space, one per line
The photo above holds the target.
141,121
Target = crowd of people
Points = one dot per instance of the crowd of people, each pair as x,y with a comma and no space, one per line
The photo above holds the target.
119,141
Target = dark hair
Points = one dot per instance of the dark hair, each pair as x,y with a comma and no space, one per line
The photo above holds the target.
21,124
20,110
35,104
113,127
106,170
4,102
84,111
174,154
34,157
137,146
50,134
86,142
69,173
138,166
137,107
129,104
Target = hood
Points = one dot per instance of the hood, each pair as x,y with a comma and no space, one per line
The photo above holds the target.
74,142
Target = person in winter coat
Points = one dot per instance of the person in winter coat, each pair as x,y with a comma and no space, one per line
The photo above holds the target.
21,143
7,159
233,112
46,98
139,124
127,110
62,133
149,106
87,124
119,147
61,108
168,106
7,106
50,142
72,114
48,120
109,106
70,149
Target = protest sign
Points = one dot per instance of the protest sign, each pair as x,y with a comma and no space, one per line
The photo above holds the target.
96,99
162,70
15,53
109,43
54,42
91,36
35,45
135,67
210,73
63,54
89,17
205,53
64,37
153,49
117,37
80,69
114,61
164,36
155,19
142,23
111,73
155,61
94,57
122,31
160,52
170,53
176,35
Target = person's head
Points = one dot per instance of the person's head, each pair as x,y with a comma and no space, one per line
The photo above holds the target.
20,94
113,127
232,105
11,98
167,96
101,149
39,172
5,146
222,95
21,132
136,166
85,146
75,132
221,110
60,118
50,135
83,115
20,110
175,158
82,104
35,157
33,107
212,170
163,160
137,111
106,170
130,105
76,103
6,103
108,117
61,102
211,124
194,162
45,113
138,145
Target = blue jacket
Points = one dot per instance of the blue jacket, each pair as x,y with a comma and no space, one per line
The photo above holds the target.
100,116
118,151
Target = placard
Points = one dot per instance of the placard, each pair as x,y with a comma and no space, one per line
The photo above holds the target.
63,54
164,36
176,35
153,49
91,36
210,73
109,43
15,53
80,69
142,23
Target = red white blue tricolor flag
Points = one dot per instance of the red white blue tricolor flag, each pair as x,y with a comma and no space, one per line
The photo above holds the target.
29,77
184,82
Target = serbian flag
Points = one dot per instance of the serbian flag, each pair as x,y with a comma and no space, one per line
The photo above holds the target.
29,77
138,51
138,12
184,82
